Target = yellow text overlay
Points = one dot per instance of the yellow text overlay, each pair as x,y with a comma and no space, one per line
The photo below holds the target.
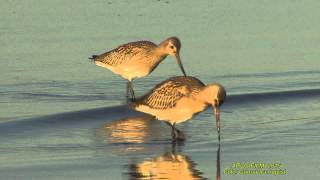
255,168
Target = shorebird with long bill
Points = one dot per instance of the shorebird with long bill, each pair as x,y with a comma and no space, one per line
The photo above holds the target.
138,59
178,99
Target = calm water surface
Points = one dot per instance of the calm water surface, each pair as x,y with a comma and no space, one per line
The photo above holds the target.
62,117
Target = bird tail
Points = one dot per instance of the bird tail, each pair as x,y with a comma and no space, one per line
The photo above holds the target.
93,57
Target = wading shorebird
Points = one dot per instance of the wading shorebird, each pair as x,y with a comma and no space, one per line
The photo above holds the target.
178,99
138,59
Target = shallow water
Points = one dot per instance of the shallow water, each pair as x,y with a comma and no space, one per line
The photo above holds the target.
62,117
114,142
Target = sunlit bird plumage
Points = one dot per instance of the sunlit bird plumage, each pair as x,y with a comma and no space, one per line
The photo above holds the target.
178,99
138,59
170,166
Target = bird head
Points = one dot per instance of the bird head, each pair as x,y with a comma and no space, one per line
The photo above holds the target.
215,95
171,46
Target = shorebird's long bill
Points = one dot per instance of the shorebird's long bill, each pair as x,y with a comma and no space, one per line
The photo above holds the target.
180,64
216,111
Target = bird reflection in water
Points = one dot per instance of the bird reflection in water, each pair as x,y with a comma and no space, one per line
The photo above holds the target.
129,132
132,134
132,130
167,166
218,171
170,166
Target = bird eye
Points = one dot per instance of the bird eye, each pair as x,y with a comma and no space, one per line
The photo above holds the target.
171,47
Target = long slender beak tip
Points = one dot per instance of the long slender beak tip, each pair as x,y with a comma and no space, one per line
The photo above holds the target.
180,64
217,116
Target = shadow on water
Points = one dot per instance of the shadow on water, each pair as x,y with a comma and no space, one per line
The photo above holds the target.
271,97
93,118
90,118
141,135
232,100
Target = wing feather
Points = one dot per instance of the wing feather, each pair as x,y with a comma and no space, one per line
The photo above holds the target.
168,93
125,52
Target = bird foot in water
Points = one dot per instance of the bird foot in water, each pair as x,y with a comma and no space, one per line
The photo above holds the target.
179,137
130,99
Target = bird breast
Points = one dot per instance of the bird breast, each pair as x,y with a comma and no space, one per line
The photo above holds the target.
137,66
184,110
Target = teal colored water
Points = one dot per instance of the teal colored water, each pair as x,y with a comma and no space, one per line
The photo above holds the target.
251,47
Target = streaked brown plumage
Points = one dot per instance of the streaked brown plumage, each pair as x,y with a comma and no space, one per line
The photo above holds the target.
138,59
166,94
178,99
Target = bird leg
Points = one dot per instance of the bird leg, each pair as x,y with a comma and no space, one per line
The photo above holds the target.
130,91
176,134
173,132
127,92
181,136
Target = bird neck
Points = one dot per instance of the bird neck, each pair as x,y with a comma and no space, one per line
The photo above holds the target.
163,44
161,50
157,57
159,54
206,95
213,94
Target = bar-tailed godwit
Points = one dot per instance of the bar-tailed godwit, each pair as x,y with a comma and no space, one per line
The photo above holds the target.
138,59
178,99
